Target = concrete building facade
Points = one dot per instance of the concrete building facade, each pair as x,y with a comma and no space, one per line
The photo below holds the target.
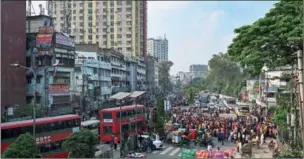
158,48
121,25
152,72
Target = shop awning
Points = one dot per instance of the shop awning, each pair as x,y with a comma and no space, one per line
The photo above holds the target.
136,94
120,95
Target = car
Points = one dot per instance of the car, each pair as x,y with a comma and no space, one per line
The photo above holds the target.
157,143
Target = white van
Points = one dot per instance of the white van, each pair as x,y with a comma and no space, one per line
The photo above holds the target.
157,144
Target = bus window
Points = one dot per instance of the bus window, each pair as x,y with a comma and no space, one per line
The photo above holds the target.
107,115
107,129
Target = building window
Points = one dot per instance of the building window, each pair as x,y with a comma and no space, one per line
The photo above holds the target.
97,37
74,5
128,49
90,17
90,11
90,37
74,17
119,36
128,22
128,35
90,4
129,2
81,11
129,9
112,17
74,11
128,42
90,30
90,24
119,9
112,30
104,36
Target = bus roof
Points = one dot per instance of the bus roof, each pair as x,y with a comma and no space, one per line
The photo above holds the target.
16,124
124,108
89,122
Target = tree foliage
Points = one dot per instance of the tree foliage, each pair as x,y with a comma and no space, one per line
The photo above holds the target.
28,111
164,75
81,144
224,77
160,112
23,147
271,40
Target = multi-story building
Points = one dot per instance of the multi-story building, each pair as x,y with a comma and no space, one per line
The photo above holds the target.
141,74
152,72
121,25
13,46
158,48
92,74
51,54
198,71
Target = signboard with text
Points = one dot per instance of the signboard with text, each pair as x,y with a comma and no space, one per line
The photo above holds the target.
43,140
63,41
46,30
44,41
58,88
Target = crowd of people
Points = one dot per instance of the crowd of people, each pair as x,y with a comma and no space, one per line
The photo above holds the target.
199,125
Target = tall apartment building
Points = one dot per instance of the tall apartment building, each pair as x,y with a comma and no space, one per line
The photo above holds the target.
121,25
158,48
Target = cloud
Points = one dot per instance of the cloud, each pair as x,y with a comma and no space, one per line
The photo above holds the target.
163,7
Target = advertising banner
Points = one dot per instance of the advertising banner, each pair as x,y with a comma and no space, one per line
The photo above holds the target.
44,41
63,41
58,88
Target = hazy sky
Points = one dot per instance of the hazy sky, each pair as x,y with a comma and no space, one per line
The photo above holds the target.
198,29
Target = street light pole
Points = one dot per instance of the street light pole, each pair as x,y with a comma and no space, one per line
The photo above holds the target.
34,102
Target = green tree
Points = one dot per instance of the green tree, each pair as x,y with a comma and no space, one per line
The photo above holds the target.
164,76
81,144
191,96
23,147
160,112
271,40
224,77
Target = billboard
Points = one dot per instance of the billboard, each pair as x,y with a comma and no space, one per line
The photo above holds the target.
44,41
46,30
58,88
63,41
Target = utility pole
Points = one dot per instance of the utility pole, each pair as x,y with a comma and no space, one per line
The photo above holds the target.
29,8
301,96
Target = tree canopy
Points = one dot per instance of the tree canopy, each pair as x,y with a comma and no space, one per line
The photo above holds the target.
271,40
164,75
224,77
81,144
23,147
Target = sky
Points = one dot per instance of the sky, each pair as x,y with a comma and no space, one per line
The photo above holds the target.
198,29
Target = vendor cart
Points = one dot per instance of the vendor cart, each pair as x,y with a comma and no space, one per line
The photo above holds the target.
247,150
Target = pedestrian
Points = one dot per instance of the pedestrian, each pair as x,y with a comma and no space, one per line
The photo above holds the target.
115,142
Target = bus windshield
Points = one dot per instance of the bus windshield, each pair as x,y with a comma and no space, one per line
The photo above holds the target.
244,109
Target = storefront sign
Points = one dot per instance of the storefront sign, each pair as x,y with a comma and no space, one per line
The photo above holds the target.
46,30
45,52
107,120
58,88
63,41
43,41
43,140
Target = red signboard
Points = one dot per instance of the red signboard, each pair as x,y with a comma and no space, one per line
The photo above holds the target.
58,88
44,41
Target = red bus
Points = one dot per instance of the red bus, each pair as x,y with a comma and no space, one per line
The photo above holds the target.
50,133
131,115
